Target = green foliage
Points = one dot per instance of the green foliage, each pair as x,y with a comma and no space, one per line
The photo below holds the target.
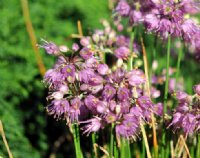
21,90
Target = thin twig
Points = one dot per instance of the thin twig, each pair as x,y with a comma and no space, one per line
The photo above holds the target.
30,30
145,140
80,30
186,147
147,88
4,140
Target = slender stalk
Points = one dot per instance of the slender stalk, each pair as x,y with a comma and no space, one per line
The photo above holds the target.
116,152
75,132
147,89
30,30
167,74
4,140
198,145
112,140
145,141
130,60
180,51
93,145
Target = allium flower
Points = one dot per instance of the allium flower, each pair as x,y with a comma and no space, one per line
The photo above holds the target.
68,72
108,92
122,52
123,93
75,109
75,47
135,77
91,103
93,125
58,108
86,53
50,48
197,89
103,69
123,8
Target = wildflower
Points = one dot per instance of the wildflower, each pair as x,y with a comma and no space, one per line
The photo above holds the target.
197,89
135,77
58,108
93,125
75,47
103,69
122,52
50,48
86,53
123,8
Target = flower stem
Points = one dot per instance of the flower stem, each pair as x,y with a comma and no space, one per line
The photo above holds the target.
130,60
112,140
93,145
167,74
75,132
4,140
198,145
178,65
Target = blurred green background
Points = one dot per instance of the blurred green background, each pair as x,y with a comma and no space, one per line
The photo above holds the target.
29,131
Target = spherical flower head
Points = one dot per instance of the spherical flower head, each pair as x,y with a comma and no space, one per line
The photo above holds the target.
197,89
68,72
93,125
103,69
136,77
50,48
75,47
123,8
123,93
86,53
58,108
122,52
108,92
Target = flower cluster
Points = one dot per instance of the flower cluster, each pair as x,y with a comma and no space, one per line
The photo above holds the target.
83,89
164,17
187,115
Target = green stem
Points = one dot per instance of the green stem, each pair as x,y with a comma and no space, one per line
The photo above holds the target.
116,152
198,145
178,65
130,60
75,132
112,140
167,74
93,145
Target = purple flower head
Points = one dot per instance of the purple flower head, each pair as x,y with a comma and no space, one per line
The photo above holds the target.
58,108
64,89
197,89
123,8
158,109
102,107
116,76
111,118
128,128
75,109
54,78
86,53
50,48
85,41
91,103
181,96
122,52
68,72
108,92
86,74
135,17
189,123
145,102
75,47
92,63
123,93
136,77
93,125
103,69
95,80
